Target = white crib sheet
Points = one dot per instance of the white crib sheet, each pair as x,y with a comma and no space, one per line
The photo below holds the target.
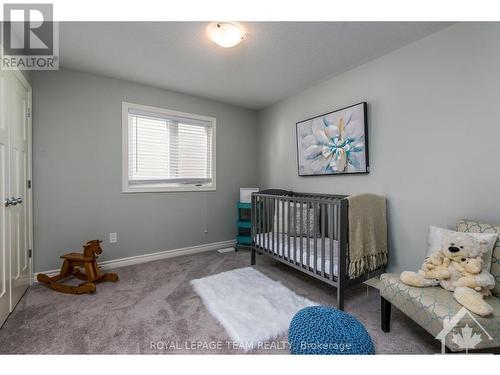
281,247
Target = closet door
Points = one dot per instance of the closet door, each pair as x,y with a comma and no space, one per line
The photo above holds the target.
4,191
15,200
17,120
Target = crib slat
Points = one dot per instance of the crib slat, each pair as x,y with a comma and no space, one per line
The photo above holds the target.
270,219
337,216
282,233
288,229
301,235
276,220
270,223
268,227
261,221
277,208
294,218
264,220
276,228
339,249
283,247
315,212
323,229
333,214
268,242
253,201
308,244
257,217
261,218
278,233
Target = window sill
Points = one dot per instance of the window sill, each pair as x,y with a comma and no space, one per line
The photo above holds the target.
166,189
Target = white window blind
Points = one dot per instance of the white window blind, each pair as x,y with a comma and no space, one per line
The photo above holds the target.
168,150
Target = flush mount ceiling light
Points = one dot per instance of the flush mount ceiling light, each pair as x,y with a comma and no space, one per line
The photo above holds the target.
225,34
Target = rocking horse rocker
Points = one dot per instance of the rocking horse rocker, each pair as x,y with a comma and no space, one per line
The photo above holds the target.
72,263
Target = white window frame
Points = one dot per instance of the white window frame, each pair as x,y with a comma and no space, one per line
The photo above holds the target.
128,188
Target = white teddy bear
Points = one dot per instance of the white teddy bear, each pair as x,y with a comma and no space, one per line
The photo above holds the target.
460,272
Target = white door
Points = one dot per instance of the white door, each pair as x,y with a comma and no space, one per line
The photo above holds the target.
4,192
15,211
17,120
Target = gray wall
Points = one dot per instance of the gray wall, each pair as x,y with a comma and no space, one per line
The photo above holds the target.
434,128
77,171
27,75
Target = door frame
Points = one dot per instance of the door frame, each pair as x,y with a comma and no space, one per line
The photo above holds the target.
29,173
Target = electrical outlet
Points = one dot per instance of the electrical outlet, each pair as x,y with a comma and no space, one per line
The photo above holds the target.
113,237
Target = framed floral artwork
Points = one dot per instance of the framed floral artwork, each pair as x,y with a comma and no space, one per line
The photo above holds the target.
334,143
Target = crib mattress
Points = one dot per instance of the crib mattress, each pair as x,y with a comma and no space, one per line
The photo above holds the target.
280,248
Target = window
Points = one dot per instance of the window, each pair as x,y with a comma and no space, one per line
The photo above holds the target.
166,150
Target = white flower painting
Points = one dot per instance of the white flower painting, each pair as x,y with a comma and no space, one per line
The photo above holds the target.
335,143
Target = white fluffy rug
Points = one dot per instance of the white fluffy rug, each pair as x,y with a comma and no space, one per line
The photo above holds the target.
249,305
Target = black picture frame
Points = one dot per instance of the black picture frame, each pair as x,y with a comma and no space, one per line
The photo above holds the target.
366,143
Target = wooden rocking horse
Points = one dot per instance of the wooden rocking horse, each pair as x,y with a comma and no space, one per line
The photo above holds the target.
72,263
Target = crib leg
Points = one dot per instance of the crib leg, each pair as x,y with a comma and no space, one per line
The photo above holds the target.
340,298
252,259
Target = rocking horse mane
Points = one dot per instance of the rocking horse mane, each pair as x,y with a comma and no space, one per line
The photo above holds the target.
92,248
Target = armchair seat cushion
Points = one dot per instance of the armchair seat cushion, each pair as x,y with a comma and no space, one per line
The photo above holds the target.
430,306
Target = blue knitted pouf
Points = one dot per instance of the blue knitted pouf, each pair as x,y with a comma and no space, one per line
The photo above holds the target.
325,330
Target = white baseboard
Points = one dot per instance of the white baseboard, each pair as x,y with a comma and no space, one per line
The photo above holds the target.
129,261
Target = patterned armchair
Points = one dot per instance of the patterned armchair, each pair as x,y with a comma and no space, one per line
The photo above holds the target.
431,307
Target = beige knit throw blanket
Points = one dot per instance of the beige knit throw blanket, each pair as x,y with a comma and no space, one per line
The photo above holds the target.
367,233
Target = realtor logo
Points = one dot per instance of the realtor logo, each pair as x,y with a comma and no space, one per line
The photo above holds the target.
30,37
466,338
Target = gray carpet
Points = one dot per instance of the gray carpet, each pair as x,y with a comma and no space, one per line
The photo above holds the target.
153,302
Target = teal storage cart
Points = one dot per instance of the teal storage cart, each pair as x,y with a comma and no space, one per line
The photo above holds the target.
244,224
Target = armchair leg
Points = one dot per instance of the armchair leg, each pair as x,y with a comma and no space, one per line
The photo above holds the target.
385,314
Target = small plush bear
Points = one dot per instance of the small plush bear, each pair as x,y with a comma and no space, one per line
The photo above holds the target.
469,269
436,267
433,270
461,257
474,276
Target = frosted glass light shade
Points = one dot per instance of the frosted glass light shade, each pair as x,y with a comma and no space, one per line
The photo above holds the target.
225,34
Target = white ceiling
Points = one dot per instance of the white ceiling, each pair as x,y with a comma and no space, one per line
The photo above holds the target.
275,60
